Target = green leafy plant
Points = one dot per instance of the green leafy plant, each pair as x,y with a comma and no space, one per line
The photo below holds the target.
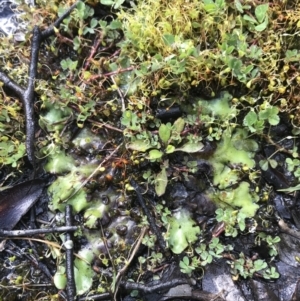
246,267
213,250
157,52
11,152
149,241
207,252
168,137
60,278
114,3
271,242
183,231
293,166
271,273
264,164
68,64
233,221
82,270
157,146
255,122
260,22
186,266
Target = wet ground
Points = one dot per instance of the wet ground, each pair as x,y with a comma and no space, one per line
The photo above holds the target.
126,230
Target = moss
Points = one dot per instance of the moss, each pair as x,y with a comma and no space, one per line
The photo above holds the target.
227,153
183,231
225,176
233,154
55,119
59,163
219,106
239,197
63,188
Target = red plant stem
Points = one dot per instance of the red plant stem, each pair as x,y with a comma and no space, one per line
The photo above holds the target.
93,51
98,76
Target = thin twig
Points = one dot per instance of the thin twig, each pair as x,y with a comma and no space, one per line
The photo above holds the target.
27,95
280,148
105,75
49,243
285,229
150,218
71,288
106,125
127,264
120,93
104,296
18,233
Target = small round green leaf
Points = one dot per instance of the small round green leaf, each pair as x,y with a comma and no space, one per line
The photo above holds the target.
264,164
60,278
170,149
250,119
155,154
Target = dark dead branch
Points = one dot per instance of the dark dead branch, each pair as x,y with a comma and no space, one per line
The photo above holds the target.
30,232
27,95
151,220
71,288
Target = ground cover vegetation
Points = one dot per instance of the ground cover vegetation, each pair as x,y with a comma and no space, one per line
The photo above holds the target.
189,106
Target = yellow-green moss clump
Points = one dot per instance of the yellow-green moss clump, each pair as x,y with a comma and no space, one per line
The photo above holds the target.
171,41
179,44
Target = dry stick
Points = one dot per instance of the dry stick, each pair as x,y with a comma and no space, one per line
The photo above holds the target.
12,85
206,296
106,125
104,296
107,250
150,218
120,94
27,95
64,39
147,289
280,148
28,285
285,229
127,264
18,233
49,243
71,288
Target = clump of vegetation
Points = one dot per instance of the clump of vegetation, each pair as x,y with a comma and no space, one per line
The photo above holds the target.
182,44
112,74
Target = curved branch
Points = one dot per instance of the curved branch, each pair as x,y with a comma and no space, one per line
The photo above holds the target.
50,30
9,83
